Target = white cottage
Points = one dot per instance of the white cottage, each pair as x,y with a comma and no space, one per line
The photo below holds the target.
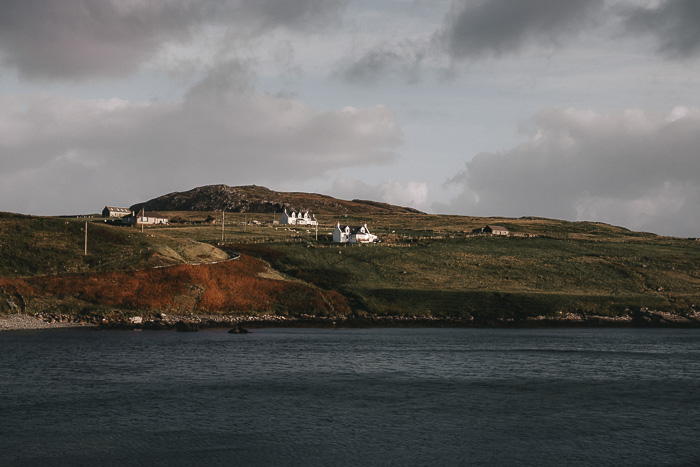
492,229
146,218
113,211
353,234
298,218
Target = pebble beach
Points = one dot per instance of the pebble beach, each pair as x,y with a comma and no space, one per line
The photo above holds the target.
18,322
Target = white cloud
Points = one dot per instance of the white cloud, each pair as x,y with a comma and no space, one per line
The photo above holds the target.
411,194
635,168
222,132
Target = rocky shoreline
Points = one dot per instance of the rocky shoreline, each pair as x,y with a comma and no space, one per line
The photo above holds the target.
162,321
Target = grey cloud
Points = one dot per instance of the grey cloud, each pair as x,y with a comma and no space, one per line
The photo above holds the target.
85,37
476,29
226,80
497,27
105,38
413,194
403,59
634,169
674,23
294,14
242,137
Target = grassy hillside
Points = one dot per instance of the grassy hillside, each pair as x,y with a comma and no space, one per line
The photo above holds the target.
498,277
32,246
44,269
426,265
433,265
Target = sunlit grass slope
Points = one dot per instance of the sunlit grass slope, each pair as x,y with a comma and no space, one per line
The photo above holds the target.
32,246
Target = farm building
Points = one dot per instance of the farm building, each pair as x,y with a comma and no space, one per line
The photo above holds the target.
298,218
492,230
353,234
111,211
145,218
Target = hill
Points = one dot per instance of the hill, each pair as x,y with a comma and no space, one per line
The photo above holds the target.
258,199
427,267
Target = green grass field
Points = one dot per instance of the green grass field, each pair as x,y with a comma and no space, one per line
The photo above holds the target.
498,276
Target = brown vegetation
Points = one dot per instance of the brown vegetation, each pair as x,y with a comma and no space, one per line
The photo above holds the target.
229,287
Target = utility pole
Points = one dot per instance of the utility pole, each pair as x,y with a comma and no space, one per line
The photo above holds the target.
143,214
85,238
316,231
245,223
223,221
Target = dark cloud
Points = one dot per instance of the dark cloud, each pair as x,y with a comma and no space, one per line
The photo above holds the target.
223,82
403,59
474,29
634,169
293,14
497,27
88,38
222,132
78,38
674,23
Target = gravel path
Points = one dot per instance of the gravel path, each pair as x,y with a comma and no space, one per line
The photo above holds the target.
23,322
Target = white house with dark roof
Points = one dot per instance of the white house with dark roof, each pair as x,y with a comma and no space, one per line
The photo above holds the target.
112,211
492,229
298,218
353,234
145,218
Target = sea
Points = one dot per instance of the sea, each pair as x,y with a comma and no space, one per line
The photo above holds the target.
351,397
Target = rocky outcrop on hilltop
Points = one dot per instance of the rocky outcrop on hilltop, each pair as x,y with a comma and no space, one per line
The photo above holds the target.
216,198
259,199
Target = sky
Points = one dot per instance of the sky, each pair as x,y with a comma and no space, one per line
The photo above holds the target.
575,110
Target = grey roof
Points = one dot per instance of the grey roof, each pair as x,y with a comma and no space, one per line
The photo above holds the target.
116,209
353,228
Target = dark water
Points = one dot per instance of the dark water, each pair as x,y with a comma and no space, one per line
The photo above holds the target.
351,397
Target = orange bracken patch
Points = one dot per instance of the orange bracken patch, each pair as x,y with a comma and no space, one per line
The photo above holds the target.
228,287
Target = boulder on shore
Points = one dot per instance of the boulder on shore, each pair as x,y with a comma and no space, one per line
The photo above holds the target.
183,326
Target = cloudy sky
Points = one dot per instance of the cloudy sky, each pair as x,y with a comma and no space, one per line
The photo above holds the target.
578,110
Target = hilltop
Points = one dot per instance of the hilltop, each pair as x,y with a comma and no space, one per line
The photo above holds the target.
259,199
